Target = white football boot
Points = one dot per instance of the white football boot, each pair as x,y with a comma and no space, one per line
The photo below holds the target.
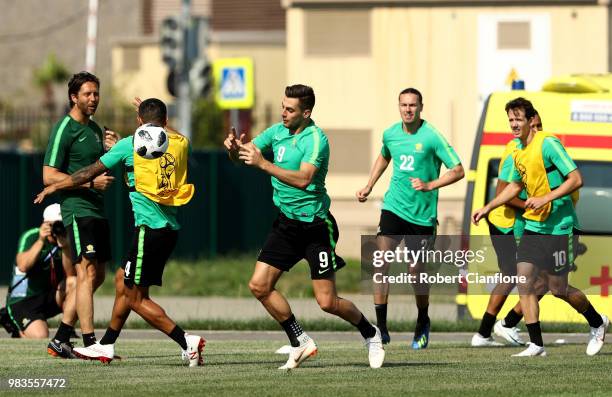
103,353
297,355
376,351
193,354
532,350
597,337
509,334
480,341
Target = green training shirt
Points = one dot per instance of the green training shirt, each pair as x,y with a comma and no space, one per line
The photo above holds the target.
40,277
290,150
417,155
562,218
146,212
73,146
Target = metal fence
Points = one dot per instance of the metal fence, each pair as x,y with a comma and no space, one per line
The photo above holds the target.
231,211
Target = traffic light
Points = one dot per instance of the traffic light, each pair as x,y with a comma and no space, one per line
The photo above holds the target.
200,79
172,37
171,83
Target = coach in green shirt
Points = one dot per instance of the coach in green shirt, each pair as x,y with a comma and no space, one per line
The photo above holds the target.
77,141
410,206
305,229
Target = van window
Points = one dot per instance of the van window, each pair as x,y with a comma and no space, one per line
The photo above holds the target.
492,178
595,202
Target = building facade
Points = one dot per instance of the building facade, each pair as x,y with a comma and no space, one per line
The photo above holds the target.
358,55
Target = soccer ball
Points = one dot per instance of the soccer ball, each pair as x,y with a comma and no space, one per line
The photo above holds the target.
150,141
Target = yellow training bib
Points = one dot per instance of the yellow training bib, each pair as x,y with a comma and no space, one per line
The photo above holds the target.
504,215
163,180
529,163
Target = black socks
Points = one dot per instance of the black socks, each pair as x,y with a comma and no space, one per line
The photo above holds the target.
177,334
512,319
110,336
89,339
592,317
535,334
381,316
366,329
293,329
63,332
486,325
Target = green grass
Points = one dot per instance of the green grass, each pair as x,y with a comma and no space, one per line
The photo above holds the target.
267,324
241,368
229,276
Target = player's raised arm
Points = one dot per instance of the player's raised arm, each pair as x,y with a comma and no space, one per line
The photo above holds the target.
379,167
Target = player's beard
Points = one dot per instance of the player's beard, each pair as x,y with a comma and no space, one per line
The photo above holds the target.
86,110
293,125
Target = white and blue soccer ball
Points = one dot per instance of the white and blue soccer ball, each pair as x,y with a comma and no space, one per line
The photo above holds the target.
150,141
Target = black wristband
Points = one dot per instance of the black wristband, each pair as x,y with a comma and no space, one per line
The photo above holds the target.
91,184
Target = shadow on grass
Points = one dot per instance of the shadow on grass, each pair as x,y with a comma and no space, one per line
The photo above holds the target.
126,358
419,363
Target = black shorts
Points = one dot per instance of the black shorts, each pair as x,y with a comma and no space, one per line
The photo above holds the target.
90,238
505,248
291,240
37,307
415,236
553,254
147,256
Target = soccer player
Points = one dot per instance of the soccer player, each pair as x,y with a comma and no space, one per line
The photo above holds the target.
304,229
506,226
409,208
42,276
77,141
155,210
549,176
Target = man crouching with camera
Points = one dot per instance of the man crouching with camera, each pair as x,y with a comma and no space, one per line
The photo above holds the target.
42,277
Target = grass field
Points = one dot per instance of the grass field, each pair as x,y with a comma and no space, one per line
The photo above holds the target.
341,369
332,324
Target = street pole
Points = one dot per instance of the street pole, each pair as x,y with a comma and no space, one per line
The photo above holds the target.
235,120
92,32
184,98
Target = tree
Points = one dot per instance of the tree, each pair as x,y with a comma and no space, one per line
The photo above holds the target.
207,124
50,72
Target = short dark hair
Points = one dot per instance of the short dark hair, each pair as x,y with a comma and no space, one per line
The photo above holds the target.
540,117
153,110
524,104
303,93
411,90
77,80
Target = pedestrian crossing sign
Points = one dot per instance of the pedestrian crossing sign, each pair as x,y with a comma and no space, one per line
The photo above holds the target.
234,83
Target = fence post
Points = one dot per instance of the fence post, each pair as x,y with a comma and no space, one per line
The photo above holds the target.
120,224
25,182
213,190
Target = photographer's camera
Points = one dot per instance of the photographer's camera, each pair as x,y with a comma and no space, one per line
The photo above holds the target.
58,228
